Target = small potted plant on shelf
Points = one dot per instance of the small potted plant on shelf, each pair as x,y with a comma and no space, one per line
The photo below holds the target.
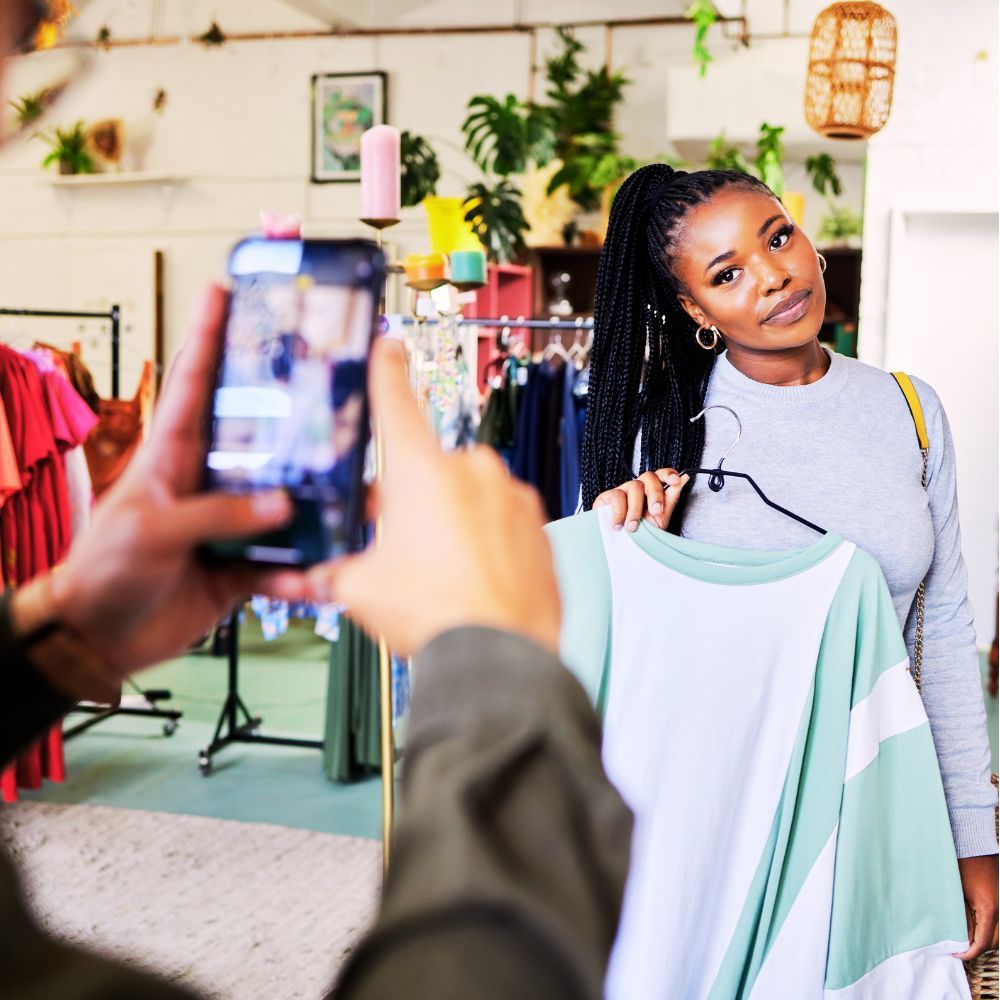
69,149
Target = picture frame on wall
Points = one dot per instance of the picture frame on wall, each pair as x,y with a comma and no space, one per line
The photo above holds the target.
344,105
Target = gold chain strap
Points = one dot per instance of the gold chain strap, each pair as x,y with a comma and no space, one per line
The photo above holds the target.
918,642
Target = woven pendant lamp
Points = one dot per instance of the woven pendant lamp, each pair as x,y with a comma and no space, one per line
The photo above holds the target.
852,60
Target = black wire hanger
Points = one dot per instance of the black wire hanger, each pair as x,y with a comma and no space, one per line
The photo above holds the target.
717,476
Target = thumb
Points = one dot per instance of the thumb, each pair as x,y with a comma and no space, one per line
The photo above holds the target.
205,516
672,496
347,581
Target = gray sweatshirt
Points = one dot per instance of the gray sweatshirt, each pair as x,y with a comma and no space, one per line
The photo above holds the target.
843,453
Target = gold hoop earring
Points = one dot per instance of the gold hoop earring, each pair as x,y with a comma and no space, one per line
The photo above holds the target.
715,337
822,263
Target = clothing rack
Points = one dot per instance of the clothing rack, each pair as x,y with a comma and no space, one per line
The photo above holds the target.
113,315
236,724
229,728
150,708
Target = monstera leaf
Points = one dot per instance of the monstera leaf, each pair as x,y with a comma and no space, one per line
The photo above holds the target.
770,153
420,170
503,137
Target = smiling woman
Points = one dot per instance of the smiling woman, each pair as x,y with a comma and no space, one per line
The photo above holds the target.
708,295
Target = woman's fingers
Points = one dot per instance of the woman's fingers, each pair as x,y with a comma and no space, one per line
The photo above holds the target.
655,500
618,502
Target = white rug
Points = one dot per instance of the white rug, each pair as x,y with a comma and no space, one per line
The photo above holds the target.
235,910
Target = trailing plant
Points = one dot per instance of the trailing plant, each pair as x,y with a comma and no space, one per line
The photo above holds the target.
69,149
704,15
822,170
497,219
722,156
770,155
419,169
30,107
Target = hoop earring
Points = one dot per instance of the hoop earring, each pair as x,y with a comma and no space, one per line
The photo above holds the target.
715,337
822,262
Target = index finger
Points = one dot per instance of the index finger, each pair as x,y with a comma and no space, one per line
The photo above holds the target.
405,435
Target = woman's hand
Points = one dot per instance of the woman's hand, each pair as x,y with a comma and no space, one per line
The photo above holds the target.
979,883
652,496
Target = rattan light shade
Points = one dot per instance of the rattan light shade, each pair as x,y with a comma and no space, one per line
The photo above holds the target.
852,63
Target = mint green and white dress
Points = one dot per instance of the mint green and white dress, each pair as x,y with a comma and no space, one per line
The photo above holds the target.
791,837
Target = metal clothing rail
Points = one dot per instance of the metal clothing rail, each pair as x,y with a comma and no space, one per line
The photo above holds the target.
149,708
518,322
113,315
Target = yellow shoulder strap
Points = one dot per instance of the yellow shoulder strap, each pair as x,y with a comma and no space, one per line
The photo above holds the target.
913,401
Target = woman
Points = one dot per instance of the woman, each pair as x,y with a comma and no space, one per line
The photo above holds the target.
708,293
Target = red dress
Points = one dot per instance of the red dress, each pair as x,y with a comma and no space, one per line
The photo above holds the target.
42,421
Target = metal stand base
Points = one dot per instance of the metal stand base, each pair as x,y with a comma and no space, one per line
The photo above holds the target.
150,710
234,707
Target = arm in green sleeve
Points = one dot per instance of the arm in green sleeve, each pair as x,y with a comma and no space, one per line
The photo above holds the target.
509,861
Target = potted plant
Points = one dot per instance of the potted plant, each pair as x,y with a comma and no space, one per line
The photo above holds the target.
840,227
69,149
419,169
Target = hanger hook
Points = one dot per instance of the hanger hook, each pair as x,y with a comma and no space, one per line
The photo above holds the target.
715,482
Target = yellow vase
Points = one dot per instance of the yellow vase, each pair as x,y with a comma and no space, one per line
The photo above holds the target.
447,226
795,204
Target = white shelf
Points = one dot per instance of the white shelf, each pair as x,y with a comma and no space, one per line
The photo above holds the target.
112,180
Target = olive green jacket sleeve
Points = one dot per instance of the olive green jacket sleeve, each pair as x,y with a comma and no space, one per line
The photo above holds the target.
509,860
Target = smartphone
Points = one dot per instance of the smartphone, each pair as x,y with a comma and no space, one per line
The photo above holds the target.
290,406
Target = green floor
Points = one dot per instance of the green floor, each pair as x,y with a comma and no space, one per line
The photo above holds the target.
128,762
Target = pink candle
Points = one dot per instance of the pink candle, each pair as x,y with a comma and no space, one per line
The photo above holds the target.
380,174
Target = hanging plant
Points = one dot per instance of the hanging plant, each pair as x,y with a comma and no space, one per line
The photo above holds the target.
770,154
823,171
420,170
69,150
30,107
497,219
213,36
503,137
704,15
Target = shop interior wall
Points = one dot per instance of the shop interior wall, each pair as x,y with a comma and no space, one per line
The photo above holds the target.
236,134
929,299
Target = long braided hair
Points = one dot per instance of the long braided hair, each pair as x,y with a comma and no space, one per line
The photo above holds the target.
636,305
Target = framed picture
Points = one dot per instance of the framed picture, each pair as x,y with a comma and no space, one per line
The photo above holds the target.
343,106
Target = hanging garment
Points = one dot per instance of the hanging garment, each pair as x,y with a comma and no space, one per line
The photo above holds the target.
351,738
119,433
791,837
569,443
77,372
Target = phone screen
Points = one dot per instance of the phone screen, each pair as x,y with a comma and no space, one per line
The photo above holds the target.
290,407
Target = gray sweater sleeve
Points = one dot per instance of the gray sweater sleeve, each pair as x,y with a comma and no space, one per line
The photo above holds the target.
952,683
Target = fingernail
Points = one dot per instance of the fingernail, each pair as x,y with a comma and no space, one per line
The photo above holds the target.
673,479
319,585
272,506
632,526
656,507
616,527
686,479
